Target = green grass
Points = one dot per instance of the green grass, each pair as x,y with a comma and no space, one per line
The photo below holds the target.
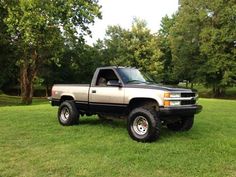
6,100
32,143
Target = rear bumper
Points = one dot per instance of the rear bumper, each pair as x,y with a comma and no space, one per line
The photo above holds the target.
187,110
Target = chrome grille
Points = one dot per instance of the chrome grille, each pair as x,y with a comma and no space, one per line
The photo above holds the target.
188,102
188,94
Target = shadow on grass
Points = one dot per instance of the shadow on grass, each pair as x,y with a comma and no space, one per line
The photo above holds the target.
107,123
166,134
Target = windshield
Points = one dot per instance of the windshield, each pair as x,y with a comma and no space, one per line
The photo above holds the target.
132,75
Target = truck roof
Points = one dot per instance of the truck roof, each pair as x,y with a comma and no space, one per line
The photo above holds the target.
113,67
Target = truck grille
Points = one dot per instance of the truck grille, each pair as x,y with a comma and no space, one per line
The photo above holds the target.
188,102
187,94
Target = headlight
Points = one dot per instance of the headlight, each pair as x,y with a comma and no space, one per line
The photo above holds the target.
166,95
172,95
175,95
171,99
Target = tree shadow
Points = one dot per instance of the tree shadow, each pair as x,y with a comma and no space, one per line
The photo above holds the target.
166,134
107,123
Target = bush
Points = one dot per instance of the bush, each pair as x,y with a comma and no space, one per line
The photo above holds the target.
15,91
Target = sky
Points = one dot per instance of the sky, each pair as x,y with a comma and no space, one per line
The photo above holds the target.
122,12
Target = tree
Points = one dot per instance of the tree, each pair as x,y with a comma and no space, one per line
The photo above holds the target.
165,46
7,55
184,39
203,43
89,59
137,47
41,29
218,49
76,65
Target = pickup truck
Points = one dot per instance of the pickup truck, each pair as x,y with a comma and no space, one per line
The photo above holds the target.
126,93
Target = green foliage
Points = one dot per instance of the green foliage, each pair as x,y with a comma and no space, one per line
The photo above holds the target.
169,77
41,29
7,56
34,144
76,65
89,59
44,39
203,43
218,48
137,47
184,38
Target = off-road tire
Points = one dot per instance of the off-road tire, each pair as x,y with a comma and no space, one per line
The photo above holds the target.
151,127
68,113
184,124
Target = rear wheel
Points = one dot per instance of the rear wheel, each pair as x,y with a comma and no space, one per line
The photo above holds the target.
184,124
68,113
143,125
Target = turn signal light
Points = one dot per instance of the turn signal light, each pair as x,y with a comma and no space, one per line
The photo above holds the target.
166,103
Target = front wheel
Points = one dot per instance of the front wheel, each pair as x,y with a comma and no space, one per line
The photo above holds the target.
143,125
184,124
68,113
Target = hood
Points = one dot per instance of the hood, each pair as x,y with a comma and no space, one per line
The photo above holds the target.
158,87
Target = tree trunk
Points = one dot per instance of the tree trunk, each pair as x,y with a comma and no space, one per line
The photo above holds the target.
27,75
47,90
186,84
218,91
26,84
191,85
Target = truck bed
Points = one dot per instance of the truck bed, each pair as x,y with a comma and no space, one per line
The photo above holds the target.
79,92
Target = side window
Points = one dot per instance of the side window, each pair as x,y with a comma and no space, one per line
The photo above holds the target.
104,76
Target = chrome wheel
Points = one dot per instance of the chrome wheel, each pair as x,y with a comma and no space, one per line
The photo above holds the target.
65,113
140,125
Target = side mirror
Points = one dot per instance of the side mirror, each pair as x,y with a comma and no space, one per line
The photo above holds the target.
114,83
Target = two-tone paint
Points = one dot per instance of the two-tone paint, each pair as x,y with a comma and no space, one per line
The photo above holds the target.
93,99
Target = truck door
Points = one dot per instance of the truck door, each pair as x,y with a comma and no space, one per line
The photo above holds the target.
106,94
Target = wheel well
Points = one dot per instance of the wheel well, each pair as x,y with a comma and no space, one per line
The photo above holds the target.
64,98
148,103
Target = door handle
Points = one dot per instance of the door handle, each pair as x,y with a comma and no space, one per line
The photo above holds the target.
93,91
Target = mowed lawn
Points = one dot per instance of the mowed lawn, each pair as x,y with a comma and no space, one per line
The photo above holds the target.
32,143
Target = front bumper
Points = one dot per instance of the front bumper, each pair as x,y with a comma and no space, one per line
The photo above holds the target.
186,110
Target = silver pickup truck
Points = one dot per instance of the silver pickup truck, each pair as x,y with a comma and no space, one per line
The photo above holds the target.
126,93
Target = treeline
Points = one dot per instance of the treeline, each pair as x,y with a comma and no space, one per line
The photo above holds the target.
43,44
